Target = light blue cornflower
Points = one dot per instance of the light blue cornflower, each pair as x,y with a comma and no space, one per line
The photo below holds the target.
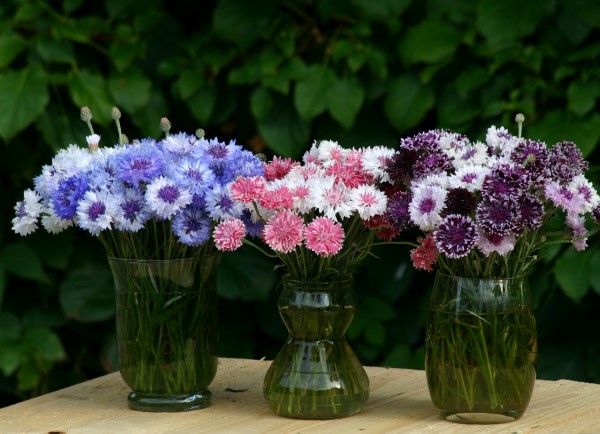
192,226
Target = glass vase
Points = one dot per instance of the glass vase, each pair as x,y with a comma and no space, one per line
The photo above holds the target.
167,334
316,375
481,348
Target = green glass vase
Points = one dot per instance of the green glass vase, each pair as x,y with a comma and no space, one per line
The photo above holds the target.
316,375
481,348
167,336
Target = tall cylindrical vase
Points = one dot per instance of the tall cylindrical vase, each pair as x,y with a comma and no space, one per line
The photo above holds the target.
167,335
316,375
481,348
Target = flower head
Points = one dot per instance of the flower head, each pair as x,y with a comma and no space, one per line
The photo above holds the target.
284,231
229,233
165,198
324,236
455,236
139,163
426,206
425,255
27,213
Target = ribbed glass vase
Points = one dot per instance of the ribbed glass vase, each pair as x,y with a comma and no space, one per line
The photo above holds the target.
316,375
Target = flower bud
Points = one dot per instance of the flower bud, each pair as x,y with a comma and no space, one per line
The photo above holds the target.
124,139
165,125
86,114
200,133
519,118
116,113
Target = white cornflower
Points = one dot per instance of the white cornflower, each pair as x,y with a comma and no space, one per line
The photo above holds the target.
165,197
368,201
27,213
374,161
96,211
329,197
426,206
469,177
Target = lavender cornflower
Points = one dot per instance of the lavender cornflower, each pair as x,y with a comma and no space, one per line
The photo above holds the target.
139,163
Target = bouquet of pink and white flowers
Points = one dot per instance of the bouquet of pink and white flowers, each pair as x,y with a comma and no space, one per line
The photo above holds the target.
486,209
314,214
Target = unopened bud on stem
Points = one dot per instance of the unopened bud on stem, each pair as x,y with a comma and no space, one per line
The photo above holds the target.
86,116
200,133
165,125
519,119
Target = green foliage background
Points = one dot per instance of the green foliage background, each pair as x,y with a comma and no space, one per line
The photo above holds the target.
275,75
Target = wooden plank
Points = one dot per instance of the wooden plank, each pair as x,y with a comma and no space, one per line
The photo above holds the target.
399,402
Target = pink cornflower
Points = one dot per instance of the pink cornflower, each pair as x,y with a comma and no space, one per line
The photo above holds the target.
577,224
494,243
278,198
564,198
348,175
368,201
324,236
425,255
248,190
228,234
284,231
278,168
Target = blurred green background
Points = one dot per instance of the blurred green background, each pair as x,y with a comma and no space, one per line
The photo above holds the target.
276,75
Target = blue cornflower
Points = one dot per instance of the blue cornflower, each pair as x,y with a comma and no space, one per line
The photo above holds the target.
254,226
139,163
220,205
179,144
192,226
96,212
132,211
247,165
66,197
165,197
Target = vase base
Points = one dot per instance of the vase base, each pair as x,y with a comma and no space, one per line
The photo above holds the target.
334,410
481,418
168,403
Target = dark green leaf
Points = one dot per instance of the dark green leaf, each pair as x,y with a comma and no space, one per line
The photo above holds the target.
87,293
245,275
11,45
399,357
44,343
454,109
572,273
148,118
18,258
283,130
130,91
11,356
382,9
242,22
470,79
90,89
29,11
407,102
59,128
248,73
310,93
29,374
378,64
2,284
261,103
429,41
202,103
345,100
582,96
23,98
375,334
493,17
595,271
52,50
378,308
10,328
559,125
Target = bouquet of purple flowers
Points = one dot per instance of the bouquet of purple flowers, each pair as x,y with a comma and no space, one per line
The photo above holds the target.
485,209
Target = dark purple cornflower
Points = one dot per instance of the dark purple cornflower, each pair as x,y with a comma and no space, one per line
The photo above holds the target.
459,201
141,163
531,211
66,197
455,236
397,214
431,163
566,161
532,156
400,167
498,217
504,181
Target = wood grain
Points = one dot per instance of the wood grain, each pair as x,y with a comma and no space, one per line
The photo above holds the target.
399,402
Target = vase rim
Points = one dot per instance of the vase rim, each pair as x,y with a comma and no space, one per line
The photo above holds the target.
346,278
156,261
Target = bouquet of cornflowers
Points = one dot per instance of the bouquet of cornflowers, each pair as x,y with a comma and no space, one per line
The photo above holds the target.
486,209
314,216
153,204
146,199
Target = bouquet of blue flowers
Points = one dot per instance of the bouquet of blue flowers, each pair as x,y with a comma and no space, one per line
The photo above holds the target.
146,199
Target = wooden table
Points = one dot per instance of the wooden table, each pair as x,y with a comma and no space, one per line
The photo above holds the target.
399,402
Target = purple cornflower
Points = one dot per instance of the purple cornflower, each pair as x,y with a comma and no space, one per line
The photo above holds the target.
531,211
504,181
397,214
132,211
191,226
220,205
459,201
431,162
498,217
566,161
400,167
425,141
532,156
455,236
139,163
66,197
